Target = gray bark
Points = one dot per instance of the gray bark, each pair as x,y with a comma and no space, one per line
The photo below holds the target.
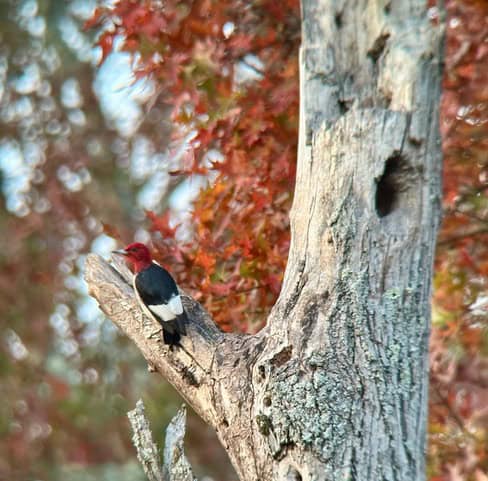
175,466
335,386
147,451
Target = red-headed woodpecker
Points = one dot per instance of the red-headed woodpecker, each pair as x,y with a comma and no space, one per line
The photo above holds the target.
156,292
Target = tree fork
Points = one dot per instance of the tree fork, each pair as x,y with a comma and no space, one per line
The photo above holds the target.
335,386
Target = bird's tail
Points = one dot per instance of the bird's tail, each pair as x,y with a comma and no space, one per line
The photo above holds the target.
170,337
174,329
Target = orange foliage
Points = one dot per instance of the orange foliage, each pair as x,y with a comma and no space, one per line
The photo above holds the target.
240,224
459,342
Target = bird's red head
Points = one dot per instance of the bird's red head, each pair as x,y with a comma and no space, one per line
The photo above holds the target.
137,254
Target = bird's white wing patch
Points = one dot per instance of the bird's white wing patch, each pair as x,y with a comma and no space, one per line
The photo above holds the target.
175,305
163,311
166,312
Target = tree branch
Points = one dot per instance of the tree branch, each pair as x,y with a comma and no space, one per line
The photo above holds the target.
175,463
188,369
176,467
212,370
147,451
462,235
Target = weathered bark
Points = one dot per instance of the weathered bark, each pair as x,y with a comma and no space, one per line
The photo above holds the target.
175,466
335,386
147,451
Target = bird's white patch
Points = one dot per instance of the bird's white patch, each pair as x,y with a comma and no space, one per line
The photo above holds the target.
166,312
175,305
163,311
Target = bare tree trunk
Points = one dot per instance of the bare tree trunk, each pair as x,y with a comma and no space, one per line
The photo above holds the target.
335,386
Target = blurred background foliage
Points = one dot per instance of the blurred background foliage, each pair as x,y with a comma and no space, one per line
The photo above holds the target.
88,155
77,150
458,424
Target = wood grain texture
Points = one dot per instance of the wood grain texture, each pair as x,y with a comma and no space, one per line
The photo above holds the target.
175,466
147,451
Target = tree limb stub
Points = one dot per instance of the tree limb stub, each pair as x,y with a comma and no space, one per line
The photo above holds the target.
176,466
175,462
211,371
147,451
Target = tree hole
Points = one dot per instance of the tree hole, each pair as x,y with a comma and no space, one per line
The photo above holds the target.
282,357
293,474
338,20
378,47
344,105
394,180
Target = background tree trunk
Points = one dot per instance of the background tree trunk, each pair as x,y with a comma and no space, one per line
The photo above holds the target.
335,386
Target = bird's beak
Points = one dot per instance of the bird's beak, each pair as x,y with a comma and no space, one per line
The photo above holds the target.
120,252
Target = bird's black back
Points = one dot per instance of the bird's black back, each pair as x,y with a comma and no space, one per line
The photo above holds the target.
155,285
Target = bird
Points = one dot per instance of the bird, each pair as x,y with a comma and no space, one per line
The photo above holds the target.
156,292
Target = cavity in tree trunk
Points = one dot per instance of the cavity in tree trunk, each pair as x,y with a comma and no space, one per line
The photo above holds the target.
335,386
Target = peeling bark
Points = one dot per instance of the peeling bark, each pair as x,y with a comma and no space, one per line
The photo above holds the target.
147,451
335,386
175,467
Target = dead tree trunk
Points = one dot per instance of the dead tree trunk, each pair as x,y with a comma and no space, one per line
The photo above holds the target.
335,386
